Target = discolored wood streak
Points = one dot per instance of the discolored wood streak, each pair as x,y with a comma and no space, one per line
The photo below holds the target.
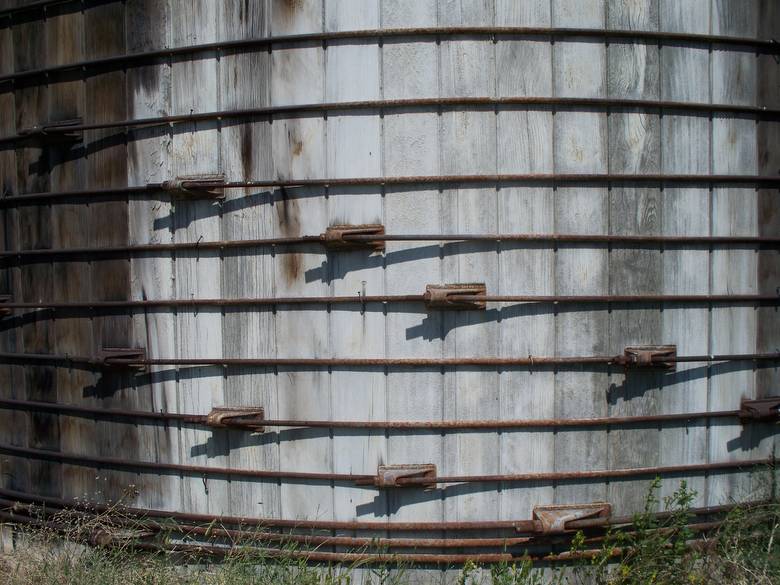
34,231
107,167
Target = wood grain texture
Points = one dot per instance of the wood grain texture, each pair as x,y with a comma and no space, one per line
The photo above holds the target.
14,471
34,229
195,149
580,144
634,147
733,329
685,148
244,81
68,169
298,76
149,93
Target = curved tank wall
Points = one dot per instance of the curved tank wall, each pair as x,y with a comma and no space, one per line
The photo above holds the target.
476,139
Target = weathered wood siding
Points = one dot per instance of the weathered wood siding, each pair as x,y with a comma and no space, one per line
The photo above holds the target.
468,140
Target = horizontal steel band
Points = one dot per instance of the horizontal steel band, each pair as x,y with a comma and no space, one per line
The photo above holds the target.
42,5
399,104
555,179
135,415
554,239
529,361
432,33
387,299
367,480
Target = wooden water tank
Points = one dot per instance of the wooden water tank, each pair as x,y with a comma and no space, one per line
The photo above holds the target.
650,125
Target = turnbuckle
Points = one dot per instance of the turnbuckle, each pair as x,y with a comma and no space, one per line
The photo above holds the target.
445,296
122,358
248,418
761,409
5,311
552,519
206,186
336,237
393,476
53,132
649,356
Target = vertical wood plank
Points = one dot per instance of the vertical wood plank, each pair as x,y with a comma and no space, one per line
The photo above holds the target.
247,332
149,93
411,147
13,427
354,148
580,146
525,139
468,145
685,150
634,147
734,211
34,229
298,76
196,150
72,281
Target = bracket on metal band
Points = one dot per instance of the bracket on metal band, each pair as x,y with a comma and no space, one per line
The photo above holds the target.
237,417
5,311
388,476
44,134
122,357
445,296
335,237
762,409
553,519
649,356
196,186
107,536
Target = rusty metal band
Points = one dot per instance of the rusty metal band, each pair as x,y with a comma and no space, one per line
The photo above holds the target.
243,536
518,526
432,33
136,415
388,299
93,461
42,5
627,240
440,181
529,361
383,106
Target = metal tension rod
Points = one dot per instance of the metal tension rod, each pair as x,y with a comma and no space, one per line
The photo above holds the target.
434,104
135,59
622,360
453,181
19,256
368,480
110,306
764,410
520,526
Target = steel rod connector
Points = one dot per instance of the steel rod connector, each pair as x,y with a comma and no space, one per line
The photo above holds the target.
337,237
54,132
131,358
553,519
649,356
393,476
5,311
205,186
762,409
445,296
246,418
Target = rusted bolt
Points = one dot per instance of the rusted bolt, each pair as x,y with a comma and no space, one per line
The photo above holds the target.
552,519
5,311
205,186
762,409
455,296
123,357
393,476
237,417
337,237
649,356
54,132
